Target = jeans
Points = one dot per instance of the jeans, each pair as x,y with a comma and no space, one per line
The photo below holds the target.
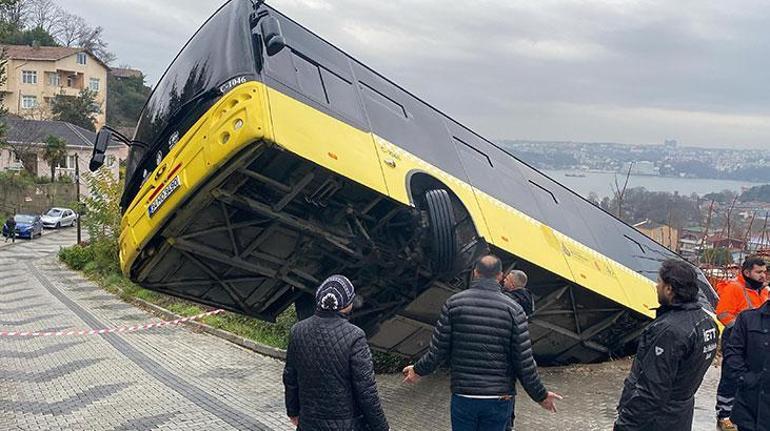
471,414
727,384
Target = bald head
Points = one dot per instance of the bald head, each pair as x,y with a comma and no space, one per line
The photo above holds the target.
515,279
489,267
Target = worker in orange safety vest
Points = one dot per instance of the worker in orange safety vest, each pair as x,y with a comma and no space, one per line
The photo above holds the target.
748,291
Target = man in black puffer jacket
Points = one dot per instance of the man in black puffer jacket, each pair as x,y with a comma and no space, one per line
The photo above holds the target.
674,352
484,336
329,376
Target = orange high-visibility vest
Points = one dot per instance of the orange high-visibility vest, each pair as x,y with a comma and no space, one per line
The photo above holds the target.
735,297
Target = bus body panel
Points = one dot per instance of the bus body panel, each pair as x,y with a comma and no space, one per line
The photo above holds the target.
240,118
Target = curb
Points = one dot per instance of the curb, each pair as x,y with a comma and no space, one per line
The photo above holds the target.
262,349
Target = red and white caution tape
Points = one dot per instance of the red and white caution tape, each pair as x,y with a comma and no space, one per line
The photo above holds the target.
121,329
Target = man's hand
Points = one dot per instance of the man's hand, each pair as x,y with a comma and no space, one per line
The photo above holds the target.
294,420
410,376
549,403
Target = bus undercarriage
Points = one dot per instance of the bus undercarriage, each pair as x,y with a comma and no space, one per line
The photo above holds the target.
263,232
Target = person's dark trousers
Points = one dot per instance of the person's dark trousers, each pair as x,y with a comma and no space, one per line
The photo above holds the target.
512,420
471,414
727,384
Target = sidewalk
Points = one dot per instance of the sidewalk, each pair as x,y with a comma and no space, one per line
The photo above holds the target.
173,378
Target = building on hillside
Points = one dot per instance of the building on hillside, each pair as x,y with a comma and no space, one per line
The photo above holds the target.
640,168
36,74
30,135
124,72
759,242
663,234
691,242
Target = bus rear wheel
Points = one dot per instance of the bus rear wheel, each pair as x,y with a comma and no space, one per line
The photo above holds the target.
443,243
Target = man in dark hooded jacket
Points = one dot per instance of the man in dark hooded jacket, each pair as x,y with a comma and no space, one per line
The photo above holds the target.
674,353
329,376
747,357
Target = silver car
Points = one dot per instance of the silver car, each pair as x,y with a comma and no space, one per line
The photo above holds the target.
59,217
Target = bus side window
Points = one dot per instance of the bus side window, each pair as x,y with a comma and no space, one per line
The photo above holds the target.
342,95
309,78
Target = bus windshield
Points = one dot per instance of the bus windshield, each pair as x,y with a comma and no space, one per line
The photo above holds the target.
219,51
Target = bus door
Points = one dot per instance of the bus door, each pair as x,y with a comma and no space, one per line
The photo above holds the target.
315,109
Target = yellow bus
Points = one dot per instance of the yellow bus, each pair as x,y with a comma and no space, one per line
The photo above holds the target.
266,159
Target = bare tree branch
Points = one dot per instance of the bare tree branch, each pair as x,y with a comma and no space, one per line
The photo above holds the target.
44,14
619,193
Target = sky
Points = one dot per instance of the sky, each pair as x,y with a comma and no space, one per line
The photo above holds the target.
626,71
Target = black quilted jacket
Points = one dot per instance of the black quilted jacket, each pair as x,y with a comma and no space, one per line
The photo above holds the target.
483,334
329,377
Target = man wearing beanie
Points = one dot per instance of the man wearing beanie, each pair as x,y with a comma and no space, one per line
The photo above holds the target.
329,375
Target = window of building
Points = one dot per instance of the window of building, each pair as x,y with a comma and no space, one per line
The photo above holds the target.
54,79
82,58
28,102
71,80
69,162
29,77
93,84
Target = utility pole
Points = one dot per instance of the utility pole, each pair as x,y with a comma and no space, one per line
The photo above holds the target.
77,191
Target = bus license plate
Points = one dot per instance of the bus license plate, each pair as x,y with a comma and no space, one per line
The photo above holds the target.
164,194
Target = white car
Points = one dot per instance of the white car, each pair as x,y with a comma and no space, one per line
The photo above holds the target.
59,217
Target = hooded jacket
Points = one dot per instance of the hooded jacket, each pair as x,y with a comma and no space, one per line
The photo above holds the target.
674,353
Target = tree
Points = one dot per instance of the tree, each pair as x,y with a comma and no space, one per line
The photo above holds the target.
125,99
80,110
54,153
44,14
717,256
13,12
73,30
23,151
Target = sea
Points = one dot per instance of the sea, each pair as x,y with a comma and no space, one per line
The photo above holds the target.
602,183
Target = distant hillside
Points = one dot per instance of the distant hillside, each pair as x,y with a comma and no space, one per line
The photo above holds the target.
756,194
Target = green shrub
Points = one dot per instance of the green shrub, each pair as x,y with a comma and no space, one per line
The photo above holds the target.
77,256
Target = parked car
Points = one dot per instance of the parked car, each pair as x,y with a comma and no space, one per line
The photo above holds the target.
59,217
27,226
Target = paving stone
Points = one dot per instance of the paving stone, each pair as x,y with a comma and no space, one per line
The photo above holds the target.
172,378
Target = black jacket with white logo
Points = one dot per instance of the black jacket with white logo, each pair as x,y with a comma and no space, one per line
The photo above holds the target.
674,353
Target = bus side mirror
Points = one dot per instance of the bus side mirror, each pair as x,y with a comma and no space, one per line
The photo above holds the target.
271,32
103,139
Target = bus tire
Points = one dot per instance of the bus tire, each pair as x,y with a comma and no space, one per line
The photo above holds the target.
443,243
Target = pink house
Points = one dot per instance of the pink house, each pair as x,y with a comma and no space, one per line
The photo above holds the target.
30,135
